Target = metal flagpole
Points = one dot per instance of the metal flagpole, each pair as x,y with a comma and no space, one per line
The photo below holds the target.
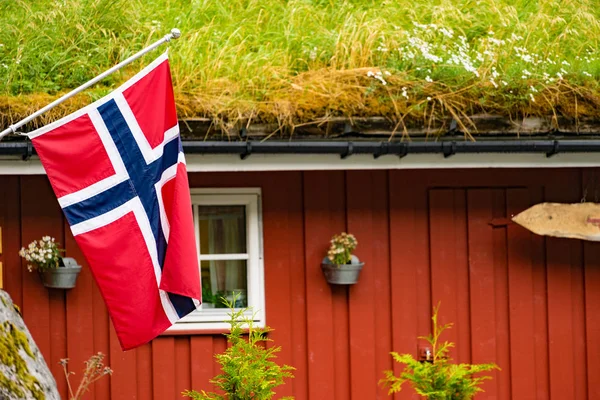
175,33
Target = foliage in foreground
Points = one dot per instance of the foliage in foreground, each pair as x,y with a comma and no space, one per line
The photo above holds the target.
94,370
294,61
439,379
248,372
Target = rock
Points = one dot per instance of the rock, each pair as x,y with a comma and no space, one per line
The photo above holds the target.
23,371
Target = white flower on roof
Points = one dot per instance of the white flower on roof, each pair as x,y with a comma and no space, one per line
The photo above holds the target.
428,79
377,75
448,32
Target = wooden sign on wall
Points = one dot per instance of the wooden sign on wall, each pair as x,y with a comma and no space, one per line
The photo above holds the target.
578,220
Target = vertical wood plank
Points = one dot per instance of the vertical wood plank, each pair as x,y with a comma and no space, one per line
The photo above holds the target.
80,318
182,365
10,208
563,259
44,309
323,199
201,353
592,302
341,336
410,276
501,301
124,364
380,258
163,367
219,346
284,275
366,215
102,337
540,306
572,188
591,259
36,308
298,292
482,285
449,267
145,370
521,295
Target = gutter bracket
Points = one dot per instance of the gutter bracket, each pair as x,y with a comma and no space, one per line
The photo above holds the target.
554,150
403,150
349,151
449,150
29,152
453,127
348,128
247,151
383,149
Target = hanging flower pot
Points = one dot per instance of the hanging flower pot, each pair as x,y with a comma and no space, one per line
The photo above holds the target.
63,277
342,274
54,271
340,267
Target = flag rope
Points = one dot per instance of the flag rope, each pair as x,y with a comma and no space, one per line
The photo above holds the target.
174,34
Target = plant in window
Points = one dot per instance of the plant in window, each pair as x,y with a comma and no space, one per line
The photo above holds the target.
341,266
248,369
439,378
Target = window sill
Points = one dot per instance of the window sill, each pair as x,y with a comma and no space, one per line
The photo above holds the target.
188,329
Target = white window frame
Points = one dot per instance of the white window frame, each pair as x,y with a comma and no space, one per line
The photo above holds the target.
212,319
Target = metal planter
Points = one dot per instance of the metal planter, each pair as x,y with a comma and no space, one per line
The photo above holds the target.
63,277
345,274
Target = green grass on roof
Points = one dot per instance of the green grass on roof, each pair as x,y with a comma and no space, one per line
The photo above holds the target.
300,61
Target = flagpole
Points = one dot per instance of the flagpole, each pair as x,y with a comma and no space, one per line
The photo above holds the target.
175,33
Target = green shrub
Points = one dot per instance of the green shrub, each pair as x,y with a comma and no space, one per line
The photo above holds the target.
438,379
248,372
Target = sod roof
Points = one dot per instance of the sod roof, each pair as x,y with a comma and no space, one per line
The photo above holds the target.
277,68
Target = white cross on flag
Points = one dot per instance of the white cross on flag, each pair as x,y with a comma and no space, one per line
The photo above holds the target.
118,170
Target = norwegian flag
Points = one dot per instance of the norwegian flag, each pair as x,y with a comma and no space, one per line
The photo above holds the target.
118,170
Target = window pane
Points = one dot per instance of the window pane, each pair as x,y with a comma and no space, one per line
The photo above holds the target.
223,278
222,229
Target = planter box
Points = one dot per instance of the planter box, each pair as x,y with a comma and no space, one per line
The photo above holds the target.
345,274
63,277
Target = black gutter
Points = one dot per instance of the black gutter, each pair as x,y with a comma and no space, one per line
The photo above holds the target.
375,148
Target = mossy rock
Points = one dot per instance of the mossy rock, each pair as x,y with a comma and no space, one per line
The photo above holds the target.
23,371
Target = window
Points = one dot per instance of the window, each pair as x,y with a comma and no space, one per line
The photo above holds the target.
229,241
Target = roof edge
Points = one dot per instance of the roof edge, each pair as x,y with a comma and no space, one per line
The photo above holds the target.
376,149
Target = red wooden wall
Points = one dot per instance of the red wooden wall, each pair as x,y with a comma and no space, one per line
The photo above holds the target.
528,303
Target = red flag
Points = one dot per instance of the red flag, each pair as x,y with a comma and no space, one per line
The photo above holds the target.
118,170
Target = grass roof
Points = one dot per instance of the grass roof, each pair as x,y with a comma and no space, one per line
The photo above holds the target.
298,62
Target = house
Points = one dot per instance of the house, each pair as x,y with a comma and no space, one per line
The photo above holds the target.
421,127
433,223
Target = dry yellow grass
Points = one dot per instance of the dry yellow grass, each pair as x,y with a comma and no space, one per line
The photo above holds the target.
299,62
